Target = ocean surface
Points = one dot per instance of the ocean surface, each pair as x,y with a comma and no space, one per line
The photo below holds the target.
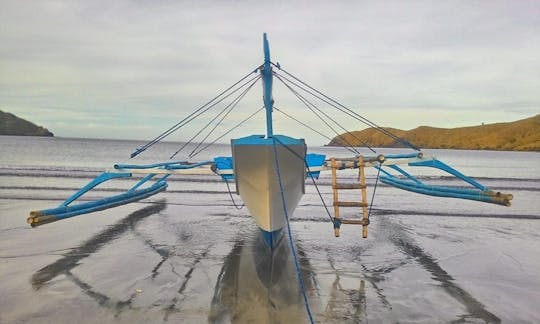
188,255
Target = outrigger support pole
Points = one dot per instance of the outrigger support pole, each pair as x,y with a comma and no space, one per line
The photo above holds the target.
406,181
66,210
143,188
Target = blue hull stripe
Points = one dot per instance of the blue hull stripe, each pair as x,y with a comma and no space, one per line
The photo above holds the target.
273,238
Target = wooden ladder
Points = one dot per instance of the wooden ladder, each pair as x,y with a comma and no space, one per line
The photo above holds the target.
361,184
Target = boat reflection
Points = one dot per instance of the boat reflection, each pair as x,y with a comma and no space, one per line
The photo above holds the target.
254,284
260,285
72,259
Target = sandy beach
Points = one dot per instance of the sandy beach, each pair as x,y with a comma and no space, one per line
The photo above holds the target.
188,255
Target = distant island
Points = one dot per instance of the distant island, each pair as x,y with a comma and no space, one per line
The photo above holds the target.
521,135
13,125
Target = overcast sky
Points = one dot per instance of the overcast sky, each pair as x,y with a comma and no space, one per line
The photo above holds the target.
130,69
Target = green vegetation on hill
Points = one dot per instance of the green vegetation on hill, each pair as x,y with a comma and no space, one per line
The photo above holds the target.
521,135
13,125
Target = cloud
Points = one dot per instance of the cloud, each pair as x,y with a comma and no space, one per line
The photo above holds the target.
148,63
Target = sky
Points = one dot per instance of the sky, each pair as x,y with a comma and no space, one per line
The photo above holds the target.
130,69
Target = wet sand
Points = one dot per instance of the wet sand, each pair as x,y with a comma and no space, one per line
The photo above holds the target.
188,255
158,262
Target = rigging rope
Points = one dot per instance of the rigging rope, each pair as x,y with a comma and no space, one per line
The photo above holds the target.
187,119
308,104
229,107
291,243
332,219
311,106
334,103
233,105
311,128
232,198
227,132
301,123
374,189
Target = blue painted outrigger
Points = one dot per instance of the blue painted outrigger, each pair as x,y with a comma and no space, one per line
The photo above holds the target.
270,170
135,193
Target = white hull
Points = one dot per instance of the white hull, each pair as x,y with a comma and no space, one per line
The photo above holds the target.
257,179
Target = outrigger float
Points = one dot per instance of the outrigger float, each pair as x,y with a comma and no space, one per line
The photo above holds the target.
270,170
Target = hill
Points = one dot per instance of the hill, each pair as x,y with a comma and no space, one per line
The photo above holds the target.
521,135
13,125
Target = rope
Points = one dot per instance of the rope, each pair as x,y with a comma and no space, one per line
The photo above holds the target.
232,105
232,198
190,117
332,219
291,244
302,123
306,102
326,115
311,106
332,102
252,80
374,189
352,150
227,132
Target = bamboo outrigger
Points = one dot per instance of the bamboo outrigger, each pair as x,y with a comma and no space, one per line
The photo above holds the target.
270,170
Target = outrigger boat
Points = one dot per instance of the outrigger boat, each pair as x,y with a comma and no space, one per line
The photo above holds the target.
270,170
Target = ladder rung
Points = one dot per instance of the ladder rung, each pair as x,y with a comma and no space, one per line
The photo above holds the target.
348,186
350,204
355,221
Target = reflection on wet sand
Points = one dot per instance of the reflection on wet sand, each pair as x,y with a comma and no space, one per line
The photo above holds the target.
407,245
346,303
96,242
254,284
258,285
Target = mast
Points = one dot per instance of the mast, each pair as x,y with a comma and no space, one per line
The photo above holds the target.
267,87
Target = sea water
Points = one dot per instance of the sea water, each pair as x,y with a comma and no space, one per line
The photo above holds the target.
190,255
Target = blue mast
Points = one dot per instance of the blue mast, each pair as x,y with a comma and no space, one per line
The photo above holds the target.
267,86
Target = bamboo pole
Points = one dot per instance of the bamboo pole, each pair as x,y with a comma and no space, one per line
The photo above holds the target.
362,176
335,194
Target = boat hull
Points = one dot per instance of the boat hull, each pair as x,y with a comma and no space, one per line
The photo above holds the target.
256,169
